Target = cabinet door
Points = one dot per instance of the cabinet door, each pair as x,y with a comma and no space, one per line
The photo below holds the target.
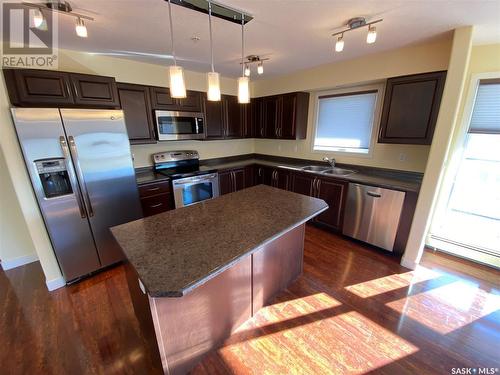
281,179
214,119
226,182
233,116
248,130
32,87
270,116
191,103
411,106
287,116
94,91
250,176
136,106
255,118
156,204
265,175
161,99
333,193
239,179
302,184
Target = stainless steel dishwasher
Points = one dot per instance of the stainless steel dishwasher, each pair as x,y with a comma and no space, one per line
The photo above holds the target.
372,214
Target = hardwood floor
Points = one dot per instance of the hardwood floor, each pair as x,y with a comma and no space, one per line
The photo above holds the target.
354,310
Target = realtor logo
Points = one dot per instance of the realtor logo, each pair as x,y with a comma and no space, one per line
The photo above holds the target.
24,44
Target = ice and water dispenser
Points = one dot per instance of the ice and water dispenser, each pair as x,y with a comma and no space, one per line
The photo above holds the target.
54,177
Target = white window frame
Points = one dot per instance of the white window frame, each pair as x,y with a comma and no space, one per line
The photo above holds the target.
380,88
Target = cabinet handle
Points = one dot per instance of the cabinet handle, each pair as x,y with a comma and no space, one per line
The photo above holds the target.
262,132
260,172
156,205
153,188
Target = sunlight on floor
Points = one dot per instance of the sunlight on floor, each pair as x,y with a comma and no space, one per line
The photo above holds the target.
448,307
313,335
392,282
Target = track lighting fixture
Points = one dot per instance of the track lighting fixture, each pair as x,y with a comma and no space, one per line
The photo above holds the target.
260,67
356,23
339,45
80,28
253,59
247,71
38,18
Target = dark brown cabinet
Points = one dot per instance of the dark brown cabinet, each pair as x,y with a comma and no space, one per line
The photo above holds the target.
275,177
136,104
47,88
156,197
94,91
161,99
284,116
411,106
33,87
233,180
224,119
332,191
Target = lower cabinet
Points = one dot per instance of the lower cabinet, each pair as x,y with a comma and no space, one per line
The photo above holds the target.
331,190
275,177
233,180
156,197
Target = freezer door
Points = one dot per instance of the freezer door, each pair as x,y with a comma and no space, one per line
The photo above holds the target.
372,214
100,150
45,150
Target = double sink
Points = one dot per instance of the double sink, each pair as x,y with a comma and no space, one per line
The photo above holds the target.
327,170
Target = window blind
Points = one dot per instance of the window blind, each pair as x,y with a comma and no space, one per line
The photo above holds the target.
345,121
486,113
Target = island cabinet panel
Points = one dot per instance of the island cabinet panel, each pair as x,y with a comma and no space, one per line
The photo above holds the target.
95,91
156,197
411,107
33,87
333,192
276,265
194,324
136,105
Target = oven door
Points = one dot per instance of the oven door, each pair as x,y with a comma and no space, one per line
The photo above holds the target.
191,190
172,125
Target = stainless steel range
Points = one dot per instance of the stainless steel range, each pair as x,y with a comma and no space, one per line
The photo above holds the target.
190,184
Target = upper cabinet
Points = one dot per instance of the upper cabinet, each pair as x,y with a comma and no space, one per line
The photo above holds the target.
161,99
136,105
411,107
283,116
39,88
225,118
94,91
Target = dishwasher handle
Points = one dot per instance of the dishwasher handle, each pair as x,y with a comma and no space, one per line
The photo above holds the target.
372,194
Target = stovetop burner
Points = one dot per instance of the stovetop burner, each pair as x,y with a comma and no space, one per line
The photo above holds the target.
178,164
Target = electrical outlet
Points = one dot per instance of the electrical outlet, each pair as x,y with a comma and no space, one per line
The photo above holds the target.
402,156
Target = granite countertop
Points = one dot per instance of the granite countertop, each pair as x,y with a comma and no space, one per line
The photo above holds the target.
390,179
176,251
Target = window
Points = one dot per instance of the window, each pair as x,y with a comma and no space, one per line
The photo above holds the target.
345,120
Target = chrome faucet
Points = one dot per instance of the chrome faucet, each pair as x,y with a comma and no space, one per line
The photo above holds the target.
330,161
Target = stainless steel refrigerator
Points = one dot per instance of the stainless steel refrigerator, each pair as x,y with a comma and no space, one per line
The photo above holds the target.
80,165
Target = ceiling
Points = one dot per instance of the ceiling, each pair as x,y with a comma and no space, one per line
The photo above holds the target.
294,34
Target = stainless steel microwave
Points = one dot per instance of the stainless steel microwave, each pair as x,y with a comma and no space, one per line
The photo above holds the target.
173,125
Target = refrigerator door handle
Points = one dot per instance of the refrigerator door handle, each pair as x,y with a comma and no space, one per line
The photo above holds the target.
74,151
67,158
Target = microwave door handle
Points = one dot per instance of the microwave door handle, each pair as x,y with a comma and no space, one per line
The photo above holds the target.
79,172
72,177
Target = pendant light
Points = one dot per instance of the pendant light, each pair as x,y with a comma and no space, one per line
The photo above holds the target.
339,45
371,37
260,68
177,85
213,91
243,81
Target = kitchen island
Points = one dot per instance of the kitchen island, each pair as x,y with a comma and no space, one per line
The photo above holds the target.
197,273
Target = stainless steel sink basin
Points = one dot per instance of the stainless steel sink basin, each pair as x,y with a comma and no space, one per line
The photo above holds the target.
315,168
338,171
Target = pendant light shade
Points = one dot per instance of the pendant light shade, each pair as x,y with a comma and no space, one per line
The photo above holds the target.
37,18
213,81
177,86
371,37
339,45
80,28
213,92
243,90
